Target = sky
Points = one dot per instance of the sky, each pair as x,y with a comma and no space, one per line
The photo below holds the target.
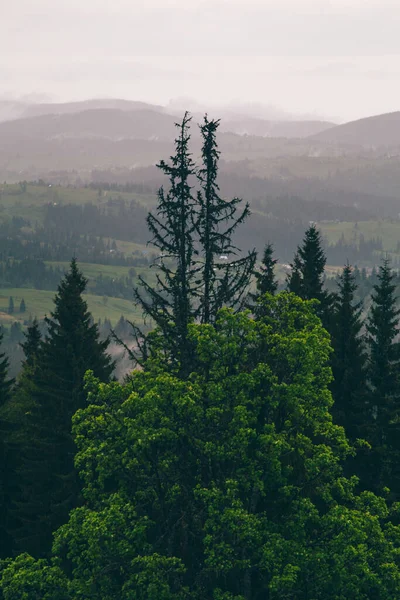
337,59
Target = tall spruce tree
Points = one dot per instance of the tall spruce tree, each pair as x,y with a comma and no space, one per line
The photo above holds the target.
307,276
382,429
222,284
169,304
349,358
266,282
191,232
6,465
18,429
5,382
49,485
294,278
31,344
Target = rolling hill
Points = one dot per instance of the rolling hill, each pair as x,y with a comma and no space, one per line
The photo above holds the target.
372,132
275,129
239,124
64,108
109,123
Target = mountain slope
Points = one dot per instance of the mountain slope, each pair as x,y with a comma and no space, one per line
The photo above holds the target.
100,123
11,109
276,129
376,131
36,110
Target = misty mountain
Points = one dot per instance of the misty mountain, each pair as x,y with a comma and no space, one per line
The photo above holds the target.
234,122
275,129
11,109
120,141
64,108
372,132
109,123
21,109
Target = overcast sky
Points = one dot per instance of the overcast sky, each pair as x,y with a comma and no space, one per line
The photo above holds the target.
338,58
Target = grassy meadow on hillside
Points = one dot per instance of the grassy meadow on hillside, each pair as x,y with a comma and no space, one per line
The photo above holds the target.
28,200
388,231
31,201
39,303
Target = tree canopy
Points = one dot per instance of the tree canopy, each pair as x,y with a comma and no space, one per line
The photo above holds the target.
225,485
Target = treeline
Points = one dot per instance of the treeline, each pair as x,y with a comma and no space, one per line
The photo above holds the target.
232,465
54,245
30,273
34,273
363,251
117,219
283,233
103,181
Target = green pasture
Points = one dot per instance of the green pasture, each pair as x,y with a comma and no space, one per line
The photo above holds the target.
389,231
27,200
40,303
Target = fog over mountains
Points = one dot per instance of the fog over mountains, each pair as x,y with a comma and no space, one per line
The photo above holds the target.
126,119
354,164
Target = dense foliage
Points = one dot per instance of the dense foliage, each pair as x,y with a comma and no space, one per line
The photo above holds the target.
226,485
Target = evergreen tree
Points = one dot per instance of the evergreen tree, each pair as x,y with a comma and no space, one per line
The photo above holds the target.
31,345
11,306
191,235
6,469
383,425
294,278
169,304
307,277
49,485
5,383
349,358
266,282
222,284
22,306
18,430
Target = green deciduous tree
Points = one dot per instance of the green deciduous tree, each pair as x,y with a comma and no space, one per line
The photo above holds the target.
49,486
27,578
225,485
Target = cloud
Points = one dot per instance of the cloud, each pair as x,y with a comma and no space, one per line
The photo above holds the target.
299,54
218,27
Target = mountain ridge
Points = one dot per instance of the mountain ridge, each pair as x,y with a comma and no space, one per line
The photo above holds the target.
376,131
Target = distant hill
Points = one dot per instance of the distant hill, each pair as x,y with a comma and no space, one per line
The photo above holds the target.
372,132
110,123
276,129
11,109
241,124
35,110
